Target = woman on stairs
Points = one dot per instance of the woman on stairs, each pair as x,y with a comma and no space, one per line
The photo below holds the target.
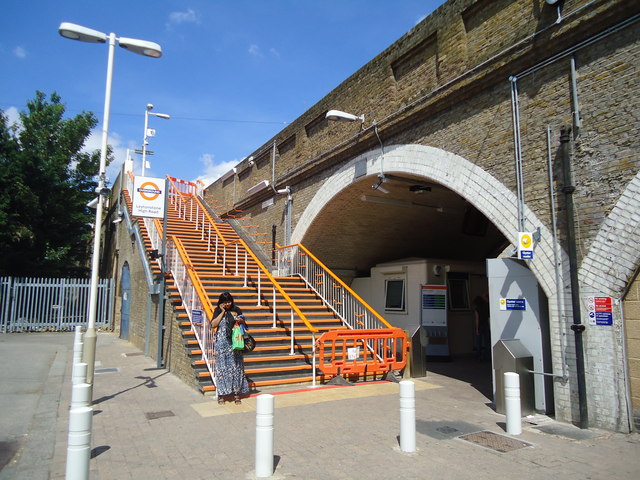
229,364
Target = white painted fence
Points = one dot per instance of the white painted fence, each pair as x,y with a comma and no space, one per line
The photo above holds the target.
51,304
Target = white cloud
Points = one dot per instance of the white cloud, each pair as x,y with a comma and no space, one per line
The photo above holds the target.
255,50
274,52
20,52
13,115
177,18
212,170
94,142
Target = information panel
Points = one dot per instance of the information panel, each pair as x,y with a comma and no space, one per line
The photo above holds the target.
434,305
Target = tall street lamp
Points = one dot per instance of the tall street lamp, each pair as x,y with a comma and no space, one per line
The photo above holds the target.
141,47
148,132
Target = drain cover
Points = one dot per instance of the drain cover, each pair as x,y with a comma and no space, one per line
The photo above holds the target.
495,441
162,414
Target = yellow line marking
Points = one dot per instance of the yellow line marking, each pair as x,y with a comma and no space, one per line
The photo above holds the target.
307,397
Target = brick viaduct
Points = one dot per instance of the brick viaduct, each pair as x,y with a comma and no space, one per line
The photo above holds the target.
470,103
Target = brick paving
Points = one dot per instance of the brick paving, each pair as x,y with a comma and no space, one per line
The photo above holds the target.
148,424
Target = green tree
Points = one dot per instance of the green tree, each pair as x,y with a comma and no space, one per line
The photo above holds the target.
46,182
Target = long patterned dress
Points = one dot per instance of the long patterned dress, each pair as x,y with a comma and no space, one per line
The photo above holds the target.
229,365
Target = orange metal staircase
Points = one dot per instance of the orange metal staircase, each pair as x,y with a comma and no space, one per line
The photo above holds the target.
273,310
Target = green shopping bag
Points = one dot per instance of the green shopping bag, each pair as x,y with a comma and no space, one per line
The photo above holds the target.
237,337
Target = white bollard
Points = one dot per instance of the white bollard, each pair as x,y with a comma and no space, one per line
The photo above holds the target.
79,443
80,395
79,373
77,345
512,403
407,416
264,435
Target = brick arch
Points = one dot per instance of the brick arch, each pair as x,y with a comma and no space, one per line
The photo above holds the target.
478,187
614,254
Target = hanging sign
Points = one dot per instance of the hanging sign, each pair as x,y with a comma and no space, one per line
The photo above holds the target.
600,310
148,197
525,246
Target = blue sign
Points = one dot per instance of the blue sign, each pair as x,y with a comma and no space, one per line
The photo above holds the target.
601,318
513,304
196,316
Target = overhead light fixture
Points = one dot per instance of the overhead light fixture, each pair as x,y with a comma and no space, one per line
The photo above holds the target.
258,187
378,185
343,116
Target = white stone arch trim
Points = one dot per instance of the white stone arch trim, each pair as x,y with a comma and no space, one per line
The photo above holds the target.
485,192
615,252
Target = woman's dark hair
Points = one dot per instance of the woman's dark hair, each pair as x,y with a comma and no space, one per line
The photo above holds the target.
225,297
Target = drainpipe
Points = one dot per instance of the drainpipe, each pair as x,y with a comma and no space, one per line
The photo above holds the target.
577,327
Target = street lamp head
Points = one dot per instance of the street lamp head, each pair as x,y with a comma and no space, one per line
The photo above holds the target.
343,116
141,47
80,33
161,115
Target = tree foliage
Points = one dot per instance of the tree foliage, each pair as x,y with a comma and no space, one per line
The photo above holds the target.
46,181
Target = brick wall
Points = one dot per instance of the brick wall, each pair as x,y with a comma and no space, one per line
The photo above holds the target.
445,85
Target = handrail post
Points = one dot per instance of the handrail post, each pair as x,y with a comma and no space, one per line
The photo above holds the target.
313,347
292,333
259,288
224,260
274,307
237,260
209,240
245,268
216,256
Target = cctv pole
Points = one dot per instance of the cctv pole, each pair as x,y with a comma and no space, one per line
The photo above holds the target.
89,352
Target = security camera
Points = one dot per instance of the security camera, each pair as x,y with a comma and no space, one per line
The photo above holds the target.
104,191
251,161
283,191
93,203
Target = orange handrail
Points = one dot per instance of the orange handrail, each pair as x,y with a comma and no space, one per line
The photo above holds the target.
270,277
340,282
195,279
366,351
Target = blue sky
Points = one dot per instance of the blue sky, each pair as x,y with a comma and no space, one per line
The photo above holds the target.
232,74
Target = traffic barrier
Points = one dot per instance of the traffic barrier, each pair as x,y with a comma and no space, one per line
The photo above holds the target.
362,351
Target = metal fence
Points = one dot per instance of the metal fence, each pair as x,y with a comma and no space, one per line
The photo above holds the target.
51,304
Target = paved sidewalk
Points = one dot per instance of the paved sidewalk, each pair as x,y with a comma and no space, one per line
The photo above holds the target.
149,425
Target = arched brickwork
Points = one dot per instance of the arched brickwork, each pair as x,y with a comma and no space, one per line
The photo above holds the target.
471,182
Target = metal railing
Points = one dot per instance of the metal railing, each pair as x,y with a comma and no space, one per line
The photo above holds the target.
194,298
51,304
234,256
296,260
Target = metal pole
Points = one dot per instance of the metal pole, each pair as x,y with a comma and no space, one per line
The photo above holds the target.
160,361
264,435
407,416
144,140
512,403
577,326
89,353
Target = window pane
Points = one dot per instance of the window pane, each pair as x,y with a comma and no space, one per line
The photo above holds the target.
395,295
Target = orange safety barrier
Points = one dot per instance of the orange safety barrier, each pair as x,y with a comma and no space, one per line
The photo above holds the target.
362,352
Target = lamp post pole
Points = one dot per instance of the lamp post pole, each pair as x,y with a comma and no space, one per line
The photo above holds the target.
148,112
89,352
141,47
